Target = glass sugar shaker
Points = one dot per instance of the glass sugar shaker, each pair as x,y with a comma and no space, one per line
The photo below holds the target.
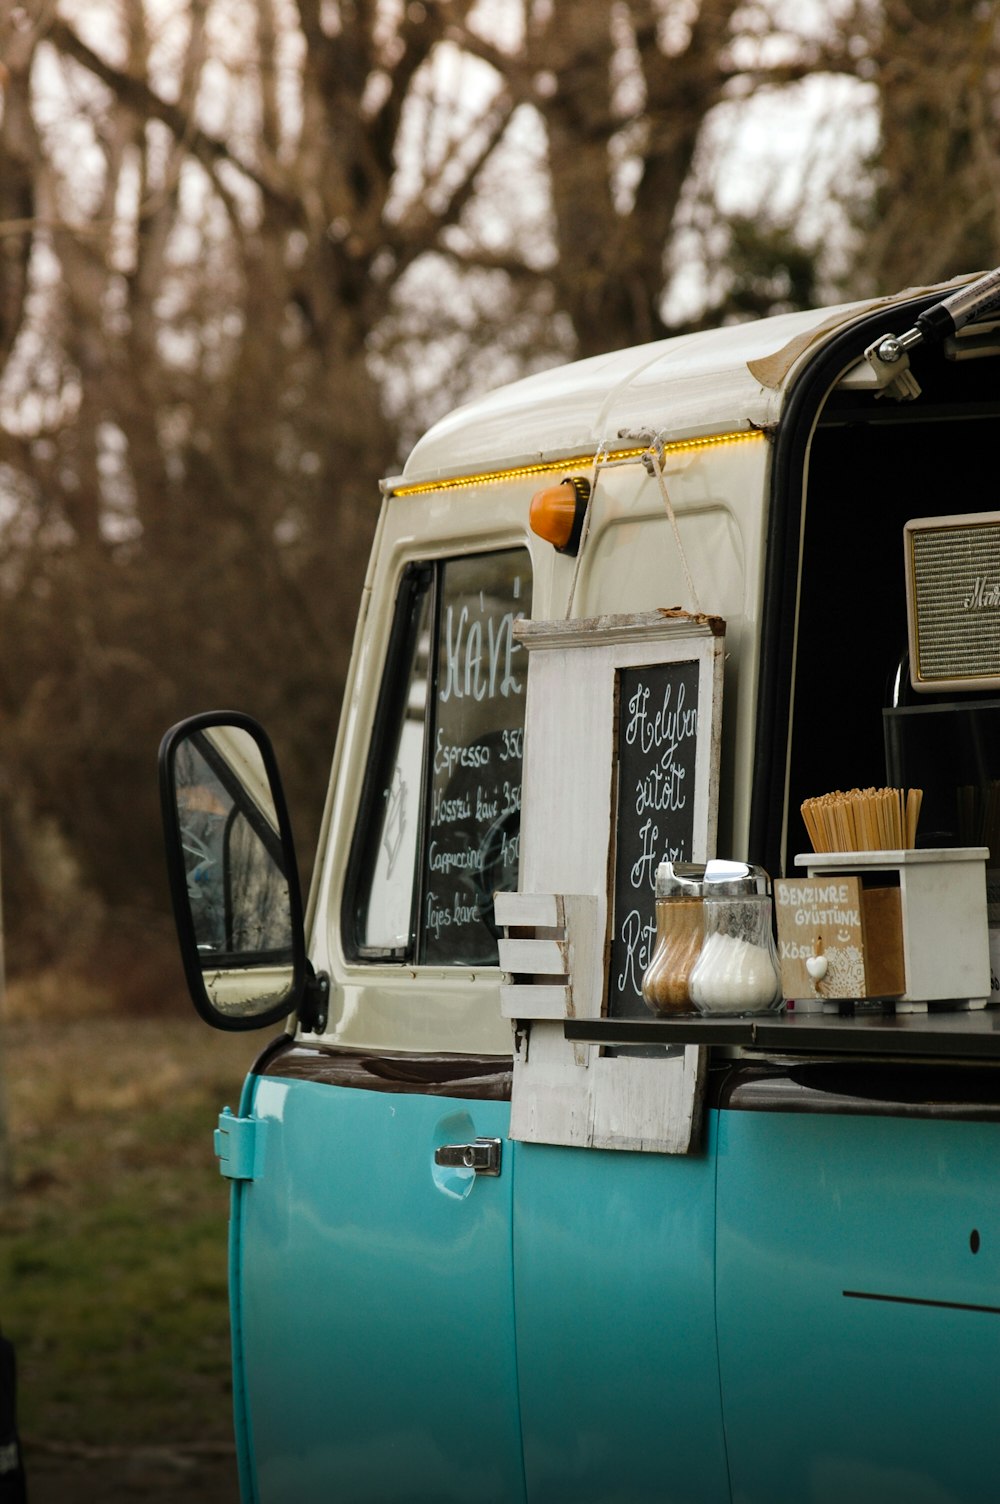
679,931
737,970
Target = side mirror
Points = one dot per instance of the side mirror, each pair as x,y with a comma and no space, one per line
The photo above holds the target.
231,865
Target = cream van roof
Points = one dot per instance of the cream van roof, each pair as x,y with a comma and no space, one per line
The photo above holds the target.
711,382
693,384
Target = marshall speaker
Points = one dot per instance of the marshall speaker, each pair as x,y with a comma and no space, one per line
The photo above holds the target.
953,601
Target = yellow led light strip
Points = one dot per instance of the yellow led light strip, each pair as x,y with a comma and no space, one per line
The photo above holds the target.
573,462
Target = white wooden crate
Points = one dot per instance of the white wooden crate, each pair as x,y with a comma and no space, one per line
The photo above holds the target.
553,950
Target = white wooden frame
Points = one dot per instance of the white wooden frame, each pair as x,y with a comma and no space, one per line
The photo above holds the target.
557,926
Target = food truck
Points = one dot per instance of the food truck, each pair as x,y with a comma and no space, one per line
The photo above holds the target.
502,1229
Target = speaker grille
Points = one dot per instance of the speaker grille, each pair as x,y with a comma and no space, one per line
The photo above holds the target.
953,602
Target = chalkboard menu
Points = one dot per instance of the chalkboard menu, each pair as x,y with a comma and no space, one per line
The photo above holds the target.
656,746
473,816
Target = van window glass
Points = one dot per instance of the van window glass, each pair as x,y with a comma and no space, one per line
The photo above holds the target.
439,828
477,734
388,921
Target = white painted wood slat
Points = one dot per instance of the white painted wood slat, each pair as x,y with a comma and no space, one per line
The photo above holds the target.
565,1092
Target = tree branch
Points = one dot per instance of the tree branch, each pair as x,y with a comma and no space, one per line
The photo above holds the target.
138,95
420,229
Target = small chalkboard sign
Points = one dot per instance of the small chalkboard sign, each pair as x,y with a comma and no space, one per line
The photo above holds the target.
656,749
838,938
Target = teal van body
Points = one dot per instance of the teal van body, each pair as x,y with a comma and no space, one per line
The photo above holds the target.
773,1319
499,1234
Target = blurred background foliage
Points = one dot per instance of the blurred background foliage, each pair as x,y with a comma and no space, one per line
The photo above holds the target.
250,248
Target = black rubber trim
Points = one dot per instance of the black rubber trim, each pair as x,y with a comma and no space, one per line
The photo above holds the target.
794,433
845,1088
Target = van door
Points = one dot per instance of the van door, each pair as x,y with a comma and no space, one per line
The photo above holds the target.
858,1245
614,1196
373,1275
615,1278
374,1288
858,1257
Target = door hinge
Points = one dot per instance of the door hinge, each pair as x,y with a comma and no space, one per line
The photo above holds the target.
315,1005
239,1144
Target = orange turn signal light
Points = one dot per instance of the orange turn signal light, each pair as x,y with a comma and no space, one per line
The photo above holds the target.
557,513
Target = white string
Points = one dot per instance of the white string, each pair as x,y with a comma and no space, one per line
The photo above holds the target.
653,461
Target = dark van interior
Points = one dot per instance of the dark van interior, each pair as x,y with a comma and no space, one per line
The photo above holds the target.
837,700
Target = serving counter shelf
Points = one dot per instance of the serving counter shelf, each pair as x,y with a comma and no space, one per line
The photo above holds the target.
939,1034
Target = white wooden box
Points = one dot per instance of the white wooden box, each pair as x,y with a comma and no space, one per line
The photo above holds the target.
946,955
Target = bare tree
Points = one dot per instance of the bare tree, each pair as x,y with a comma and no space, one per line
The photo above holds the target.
240,245
624,92
193,435
931,207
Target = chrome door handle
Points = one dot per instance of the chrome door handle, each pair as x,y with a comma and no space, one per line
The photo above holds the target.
483,1156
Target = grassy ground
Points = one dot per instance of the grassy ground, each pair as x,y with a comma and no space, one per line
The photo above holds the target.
113,1255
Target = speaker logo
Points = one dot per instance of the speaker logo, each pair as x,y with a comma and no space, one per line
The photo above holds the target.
982,597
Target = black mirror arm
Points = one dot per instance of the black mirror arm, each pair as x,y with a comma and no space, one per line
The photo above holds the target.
315,1005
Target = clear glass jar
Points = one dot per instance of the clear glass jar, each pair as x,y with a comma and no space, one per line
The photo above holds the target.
679,931
737,970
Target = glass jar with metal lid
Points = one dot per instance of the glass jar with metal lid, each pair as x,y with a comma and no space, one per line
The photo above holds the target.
737,969
680,927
